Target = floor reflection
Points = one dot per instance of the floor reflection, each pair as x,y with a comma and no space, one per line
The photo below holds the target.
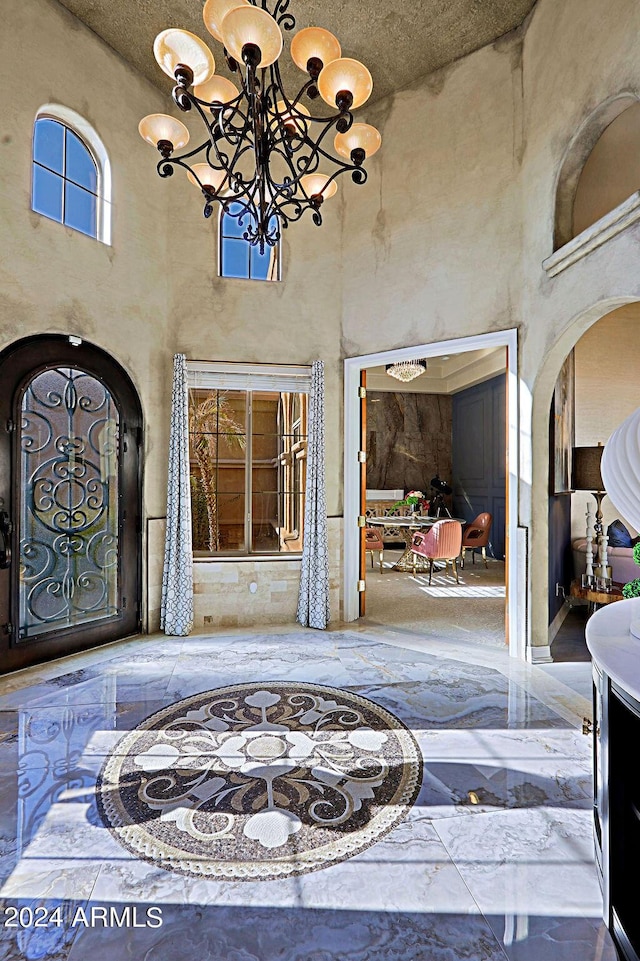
495,858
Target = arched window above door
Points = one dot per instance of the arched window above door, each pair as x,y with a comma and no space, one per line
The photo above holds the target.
237,257
71,174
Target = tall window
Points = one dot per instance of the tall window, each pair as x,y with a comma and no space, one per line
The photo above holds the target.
248,451
70,173
238,258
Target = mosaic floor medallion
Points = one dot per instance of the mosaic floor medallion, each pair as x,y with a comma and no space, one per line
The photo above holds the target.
259,781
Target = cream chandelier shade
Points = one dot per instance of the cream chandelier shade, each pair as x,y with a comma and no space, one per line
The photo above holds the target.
273,155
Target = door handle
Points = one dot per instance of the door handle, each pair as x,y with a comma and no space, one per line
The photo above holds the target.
6,529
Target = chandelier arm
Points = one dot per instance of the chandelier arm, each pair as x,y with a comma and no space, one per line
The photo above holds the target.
248,207
185,99
343,166
241,145
286,20
277,86
178,161
300,208
165,167
288,161
277,190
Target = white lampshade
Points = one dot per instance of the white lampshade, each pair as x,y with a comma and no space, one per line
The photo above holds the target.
217,89
620,468
207,175
249,24
214,12
317,184
160,126
359,136
314,42
345,74
172,47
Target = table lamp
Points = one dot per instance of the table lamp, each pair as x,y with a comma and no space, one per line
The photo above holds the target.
587,477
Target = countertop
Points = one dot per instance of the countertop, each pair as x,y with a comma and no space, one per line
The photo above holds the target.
613,648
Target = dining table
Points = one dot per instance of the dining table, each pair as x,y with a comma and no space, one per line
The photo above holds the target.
407,526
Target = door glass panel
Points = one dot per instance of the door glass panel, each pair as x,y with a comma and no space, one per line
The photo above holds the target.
69,476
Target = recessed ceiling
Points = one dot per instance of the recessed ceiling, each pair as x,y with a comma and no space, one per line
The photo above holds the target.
398,41
444,375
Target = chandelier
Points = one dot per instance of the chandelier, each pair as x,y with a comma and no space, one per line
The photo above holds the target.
406,370
266,160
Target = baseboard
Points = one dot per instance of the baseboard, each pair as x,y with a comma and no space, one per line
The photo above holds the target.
540,654
558,621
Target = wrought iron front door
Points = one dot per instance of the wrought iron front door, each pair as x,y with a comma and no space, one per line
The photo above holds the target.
69,504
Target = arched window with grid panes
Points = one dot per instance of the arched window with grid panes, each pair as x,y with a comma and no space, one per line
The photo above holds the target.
237,257
71,181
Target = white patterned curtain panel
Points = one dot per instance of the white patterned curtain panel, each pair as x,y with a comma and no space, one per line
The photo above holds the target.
313,600
176,612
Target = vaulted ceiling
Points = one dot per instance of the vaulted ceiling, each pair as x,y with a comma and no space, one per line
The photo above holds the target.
397,40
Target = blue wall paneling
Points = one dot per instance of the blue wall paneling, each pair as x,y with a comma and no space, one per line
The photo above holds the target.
479,456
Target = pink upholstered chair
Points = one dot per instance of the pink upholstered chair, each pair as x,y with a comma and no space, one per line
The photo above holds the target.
441,543
476,536
373,542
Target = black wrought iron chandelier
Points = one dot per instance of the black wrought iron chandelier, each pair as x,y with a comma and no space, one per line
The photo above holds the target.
262,156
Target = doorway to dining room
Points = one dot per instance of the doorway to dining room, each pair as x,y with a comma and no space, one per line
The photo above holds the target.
434,471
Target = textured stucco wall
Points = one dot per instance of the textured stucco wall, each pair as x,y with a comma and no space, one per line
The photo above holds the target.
449,236
54,279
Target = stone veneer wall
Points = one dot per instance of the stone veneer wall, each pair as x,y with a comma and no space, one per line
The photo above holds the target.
223,596
408,439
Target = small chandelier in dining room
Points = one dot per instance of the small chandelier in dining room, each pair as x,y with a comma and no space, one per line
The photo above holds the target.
265,158
406,370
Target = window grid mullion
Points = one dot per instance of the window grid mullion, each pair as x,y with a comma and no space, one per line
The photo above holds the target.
64,175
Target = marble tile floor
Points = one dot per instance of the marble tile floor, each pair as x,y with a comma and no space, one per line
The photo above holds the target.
494,860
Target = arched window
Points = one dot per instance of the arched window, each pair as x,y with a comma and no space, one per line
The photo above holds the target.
71,180
238,258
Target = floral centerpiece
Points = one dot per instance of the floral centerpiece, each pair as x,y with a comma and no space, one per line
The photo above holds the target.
414,499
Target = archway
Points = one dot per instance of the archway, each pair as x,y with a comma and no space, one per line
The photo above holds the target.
541,401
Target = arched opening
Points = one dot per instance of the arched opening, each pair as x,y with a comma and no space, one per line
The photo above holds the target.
600,168
604,349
